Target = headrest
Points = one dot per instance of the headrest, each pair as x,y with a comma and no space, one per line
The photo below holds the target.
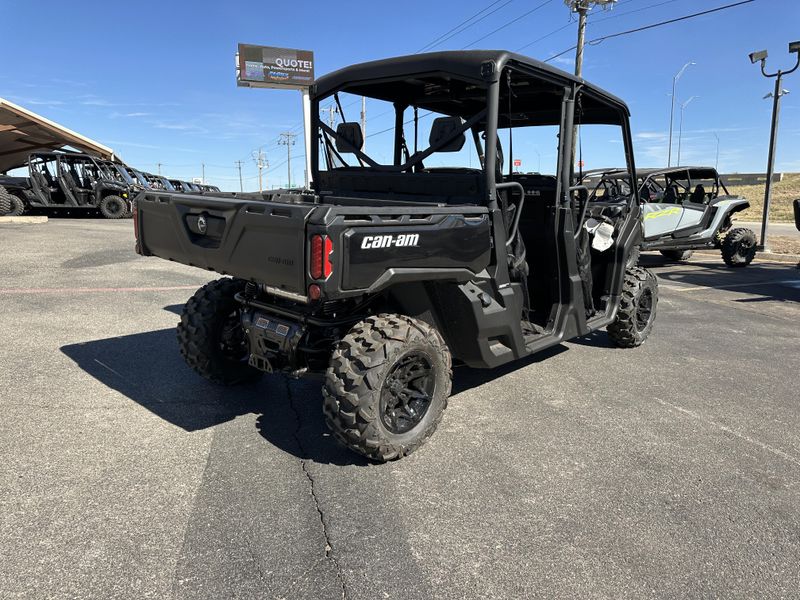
353,137
444,128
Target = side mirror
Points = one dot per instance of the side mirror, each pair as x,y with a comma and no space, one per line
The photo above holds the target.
349,137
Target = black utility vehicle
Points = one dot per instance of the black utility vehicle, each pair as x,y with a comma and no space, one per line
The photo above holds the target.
384,273
67,180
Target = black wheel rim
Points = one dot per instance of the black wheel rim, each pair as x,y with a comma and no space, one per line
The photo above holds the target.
746,247
115,207
232,341
407,392
644,309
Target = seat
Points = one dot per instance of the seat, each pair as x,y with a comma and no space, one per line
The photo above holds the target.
671,194
698,195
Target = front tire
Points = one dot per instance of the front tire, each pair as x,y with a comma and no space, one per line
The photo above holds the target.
637,309
113,207
10,204
677,255
739,247
210,334
387,386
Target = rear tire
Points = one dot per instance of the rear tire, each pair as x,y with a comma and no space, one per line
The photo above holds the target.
210,334
739,247
387,386
677,255
637,309
113,207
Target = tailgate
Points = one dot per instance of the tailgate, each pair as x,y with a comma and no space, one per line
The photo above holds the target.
255,240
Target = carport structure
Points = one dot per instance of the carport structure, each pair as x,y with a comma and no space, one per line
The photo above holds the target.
23,132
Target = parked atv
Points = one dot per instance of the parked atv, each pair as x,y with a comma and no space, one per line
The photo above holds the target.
685,209
384,273
66,180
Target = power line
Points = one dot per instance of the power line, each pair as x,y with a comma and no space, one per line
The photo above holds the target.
601,39
455,30
511,22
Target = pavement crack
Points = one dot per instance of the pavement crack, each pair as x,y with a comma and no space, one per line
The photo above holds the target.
329,555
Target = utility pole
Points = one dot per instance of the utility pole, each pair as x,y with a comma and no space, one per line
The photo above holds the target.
262,163
680,134
364,122
332,111
203,165
794,48
582,7
239,164
287,139
159,168
672,108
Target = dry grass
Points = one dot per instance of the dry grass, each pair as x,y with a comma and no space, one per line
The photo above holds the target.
781,244
783,193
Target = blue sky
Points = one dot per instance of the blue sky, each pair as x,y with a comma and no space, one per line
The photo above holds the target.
155,80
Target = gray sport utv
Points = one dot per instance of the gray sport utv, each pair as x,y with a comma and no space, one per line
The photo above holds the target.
683,209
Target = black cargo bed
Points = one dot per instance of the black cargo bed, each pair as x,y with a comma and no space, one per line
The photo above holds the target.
257,240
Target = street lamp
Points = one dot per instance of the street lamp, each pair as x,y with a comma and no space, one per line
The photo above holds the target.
672,108
761,56
716,164
680,133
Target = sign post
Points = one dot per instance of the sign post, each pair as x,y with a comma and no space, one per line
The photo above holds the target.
280,68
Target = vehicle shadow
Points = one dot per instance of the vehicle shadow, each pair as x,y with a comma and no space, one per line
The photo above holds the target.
769,281
148,369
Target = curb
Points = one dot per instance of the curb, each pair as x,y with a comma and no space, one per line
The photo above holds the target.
30,220
764,256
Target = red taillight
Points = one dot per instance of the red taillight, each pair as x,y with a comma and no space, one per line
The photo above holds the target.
321,248
327,267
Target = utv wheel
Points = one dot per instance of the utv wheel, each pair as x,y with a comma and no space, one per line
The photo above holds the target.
387,386
637,309
677,255
210,334
10,205
739,247
113,207
633,257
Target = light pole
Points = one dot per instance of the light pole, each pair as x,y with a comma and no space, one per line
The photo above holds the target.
716,164
680,133
794,48
672,108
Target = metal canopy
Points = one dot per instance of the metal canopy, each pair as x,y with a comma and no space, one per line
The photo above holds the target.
23,132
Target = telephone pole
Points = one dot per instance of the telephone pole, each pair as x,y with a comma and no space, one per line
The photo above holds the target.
159,168
364,122
287,139
203,166
582,7
332,111
238,163
262,163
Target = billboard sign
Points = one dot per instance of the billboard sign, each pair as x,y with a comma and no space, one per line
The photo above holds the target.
265,66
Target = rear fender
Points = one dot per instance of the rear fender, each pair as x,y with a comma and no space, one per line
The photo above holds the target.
724,209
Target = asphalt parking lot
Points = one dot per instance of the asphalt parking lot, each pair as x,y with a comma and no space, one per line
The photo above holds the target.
669,471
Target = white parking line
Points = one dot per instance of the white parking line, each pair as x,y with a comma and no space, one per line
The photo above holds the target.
795,283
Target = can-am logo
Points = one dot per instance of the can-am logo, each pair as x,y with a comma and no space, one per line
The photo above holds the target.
387,241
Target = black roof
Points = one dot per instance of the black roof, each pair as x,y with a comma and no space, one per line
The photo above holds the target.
464,64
